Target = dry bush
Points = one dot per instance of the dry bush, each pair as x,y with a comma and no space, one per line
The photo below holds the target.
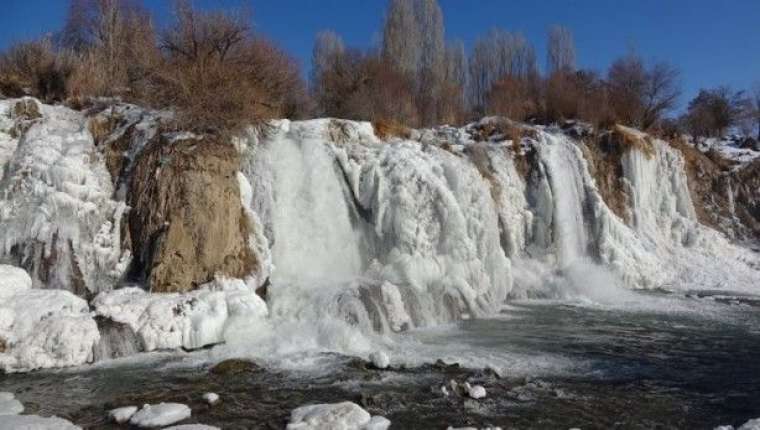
640,95
626,139
219,76
511,97
35,68
388,128
209,66
116,46
367,88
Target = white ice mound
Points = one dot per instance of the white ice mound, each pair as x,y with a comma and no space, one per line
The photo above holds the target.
475,391
749,425
192,427
34,422
163,414
380,359
123,414
13,280
191,320
56,207
9,405
211,398
335,416
45,329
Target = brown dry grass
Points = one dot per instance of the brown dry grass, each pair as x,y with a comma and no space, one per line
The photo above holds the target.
385,129
629,141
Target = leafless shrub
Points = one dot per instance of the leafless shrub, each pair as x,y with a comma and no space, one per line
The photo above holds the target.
511,97
35,68
218,75
641,95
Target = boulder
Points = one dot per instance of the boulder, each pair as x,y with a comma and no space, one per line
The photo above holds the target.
187,223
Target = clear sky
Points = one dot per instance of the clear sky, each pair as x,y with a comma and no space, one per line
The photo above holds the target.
712,42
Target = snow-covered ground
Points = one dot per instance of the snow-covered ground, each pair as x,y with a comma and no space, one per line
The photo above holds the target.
729,148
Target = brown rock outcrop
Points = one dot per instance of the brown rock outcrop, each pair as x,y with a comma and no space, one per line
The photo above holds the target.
604,153
187,223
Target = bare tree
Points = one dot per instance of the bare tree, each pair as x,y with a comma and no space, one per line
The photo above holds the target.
755,98
115,42
413,42
328,48
713,111
219,75
332,69
402,38
641,96
561,50
498,55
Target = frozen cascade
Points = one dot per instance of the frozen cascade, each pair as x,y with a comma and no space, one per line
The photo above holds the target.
564,170
56,208
425,250
313,236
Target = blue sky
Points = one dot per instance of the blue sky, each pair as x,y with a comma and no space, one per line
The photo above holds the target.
712,42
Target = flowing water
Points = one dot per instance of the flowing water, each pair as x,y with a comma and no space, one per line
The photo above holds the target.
656,365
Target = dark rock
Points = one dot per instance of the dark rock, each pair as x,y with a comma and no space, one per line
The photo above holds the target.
234,366
116,340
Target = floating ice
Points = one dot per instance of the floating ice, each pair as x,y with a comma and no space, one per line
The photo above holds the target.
9,405
475,391
34,422
160,415
211,398
336,416
380,360
192,427
123,414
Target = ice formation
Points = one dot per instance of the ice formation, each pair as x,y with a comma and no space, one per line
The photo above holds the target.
42,328
336,416
192,427
161,415
9,405
357,238
191,320
34,422
123,414
211,398
56,208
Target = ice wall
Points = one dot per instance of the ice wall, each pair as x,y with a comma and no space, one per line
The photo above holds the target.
57,215
389,236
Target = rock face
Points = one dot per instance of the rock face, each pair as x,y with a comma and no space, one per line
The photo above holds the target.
604,153
186,222
746,196
725,196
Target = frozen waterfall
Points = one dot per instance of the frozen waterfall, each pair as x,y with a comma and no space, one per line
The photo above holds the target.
564,167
